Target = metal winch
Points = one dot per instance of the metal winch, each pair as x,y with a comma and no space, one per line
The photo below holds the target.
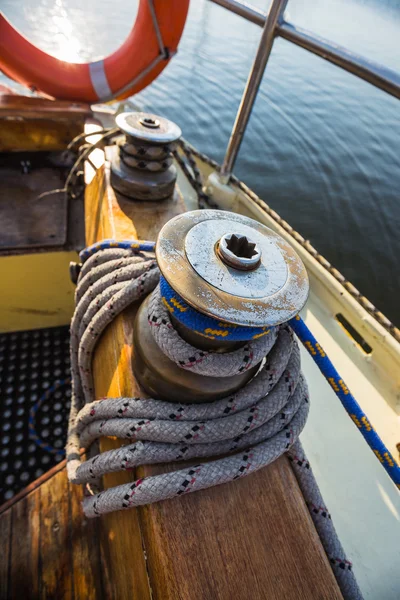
142,163
230,268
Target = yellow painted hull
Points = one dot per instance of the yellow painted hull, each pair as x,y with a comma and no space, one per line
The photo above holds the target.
36,290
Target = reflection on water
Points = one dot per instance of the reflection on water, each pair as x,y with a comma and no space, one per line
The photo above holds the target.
68,46
322,147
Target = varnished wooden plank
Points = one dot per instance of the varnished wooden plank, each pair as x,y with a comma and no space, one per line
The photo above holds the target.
24,576
5,545
33,486
110,216
250,539
119,534
45,536
30,106
4,508
89,582
55,533
115,531
37,134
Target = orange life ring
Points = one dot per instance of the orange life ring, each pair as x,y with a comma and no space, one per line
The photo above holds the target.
135,64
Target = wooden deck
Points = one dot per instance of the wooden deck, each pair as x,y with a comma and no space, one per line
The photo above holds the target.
250,539
225,543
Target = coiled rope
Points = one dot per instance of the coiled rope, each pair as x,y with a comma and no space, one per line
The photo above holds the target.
211,329
257,424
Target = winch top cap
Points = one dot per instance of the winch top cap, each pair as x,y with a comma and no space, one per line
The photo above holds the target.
232,268
148,127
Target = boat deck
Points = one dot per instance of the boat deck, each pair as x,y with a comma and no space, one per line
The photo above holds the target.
51,551
30,363
363,500
247,539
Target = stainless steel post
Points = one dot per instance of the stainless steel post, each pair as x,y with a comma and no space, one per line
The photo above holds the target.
274,17
248,12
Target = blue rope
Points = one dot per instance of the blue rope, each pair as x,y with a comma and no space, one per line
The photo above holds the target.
208,327
214,329
32,417
350,404
141,246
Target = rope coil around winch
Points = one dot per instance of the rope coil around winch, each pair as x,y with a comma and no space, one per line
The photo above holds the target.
259,422
199,361
98,293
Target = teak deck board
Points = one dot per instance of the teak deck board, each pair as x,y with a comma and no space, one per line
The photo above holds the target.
48,549
250,539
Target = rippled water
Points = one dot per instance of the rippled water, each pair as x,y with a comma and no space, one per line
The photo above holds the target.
322,147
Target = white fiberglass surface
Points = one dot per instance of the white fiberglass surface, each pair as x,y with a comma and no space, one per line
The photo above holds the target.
363,501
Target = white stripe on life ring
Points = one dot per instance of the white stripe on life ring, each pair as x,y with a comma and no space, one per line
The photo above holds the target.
99,81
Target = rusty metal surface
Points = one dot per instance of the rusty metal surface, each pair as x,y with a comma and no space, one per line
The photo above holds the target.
225,293
142,167
138,184
148,127
268,278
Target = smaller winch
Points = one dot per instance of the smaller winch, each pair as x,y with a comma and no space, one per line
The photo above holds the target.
142,163
226,282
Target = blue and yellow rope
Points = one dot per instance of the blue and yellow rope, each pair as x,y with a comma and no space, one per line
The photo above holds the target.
347,399
141,246
208,327
214,329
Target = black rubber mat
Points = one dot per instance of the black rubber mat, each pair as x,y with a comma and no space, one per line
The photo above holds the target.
30,363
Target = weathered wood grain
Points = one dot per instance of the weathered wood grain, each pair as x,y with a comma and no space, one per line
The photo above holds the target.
14,105
24,564
111,216
49,550
249,539
88,574
5,545
54,523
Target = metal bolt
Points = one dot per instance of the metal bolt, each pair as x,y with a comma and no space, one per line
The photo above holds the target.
239,252
74,270
149,122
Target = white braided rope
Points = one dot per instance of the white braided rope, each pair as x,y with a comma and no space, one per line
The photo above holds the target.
259,422
342,568
200,361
